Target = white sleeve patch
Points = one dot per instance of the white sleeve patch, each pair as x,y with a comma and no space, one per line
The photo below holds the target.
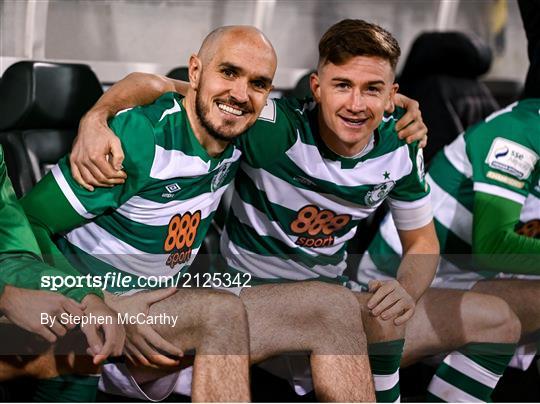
410,219
269,111
511,158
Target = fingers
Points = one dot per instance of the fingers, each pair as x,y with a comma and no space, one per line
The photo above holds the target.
114,342
412,113
58,329
153,356
97,171
73,308
383,289
423,143
45,333
156,295
403,101
76,174
129,356
153,337
396,309
388,301
105,170
137,356
415,131
93,339
87,178
117,154
406,316
373,285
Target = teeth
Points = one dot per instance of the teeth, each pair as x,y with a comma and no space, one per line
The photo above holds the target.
354,121
230,109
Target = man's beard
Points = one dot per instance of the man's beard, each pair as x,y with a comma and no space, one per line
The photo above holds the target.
202,112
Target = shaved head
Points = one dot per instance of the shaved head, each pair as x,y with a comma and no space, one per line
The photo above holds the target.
230,78
234,34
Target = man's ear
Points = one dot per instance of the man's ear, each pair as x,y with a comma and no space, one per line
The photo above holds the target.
315,85
391,104
194,71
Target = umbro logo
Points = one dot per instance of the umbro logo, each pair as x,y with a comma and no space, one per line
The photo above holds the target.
171,190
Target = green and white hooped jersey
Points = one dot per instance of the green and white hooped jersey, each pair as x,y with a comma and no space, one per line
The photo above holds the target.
155,222
499,156
297,203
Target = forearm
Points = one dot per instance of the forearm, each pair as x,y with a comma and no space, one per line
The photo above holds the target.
496,245
135,89
416,272
420,260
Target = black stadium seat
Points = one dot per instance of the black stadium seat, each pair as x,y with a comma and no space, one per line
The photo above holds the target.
302,88
40,108
441,72
179,73
504,91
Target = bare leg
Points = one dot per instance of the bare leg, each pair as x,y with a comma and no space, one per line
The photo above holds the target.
319,318
447,319
521,295
215,325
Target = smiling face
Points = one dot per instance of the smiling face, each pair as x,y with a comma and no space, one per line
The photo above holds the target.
232,83
352,99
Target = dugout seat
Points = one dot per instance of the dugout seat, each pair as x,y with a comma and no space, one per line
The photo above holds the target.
442,73
504,91
302,88
40,108
179,73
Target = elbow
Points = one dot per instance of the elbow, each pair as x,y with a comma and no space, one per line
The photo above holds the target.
160,84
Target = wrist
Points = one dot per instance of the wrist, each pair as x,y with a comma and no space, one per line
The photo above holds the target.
91,299
97,115
5,295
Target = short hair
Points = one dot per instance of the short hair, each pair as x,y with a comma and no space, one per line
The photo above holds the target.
349,38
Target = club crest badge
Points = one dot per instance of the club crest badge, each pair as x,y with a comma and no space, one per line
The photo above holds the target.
378,193
220,177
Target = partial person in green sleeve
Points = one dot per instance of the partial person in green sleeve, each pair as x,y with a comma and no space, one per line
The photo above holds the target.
486,198
23,304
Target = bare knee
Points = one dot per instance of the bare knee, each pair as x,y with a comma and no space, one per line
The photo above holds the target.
334,315
377,329
489,319
223,322
331,305
223,310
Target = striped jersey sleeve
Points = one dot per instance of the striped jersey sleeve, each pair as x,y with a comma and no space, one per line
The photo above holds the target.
135,131
504,153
